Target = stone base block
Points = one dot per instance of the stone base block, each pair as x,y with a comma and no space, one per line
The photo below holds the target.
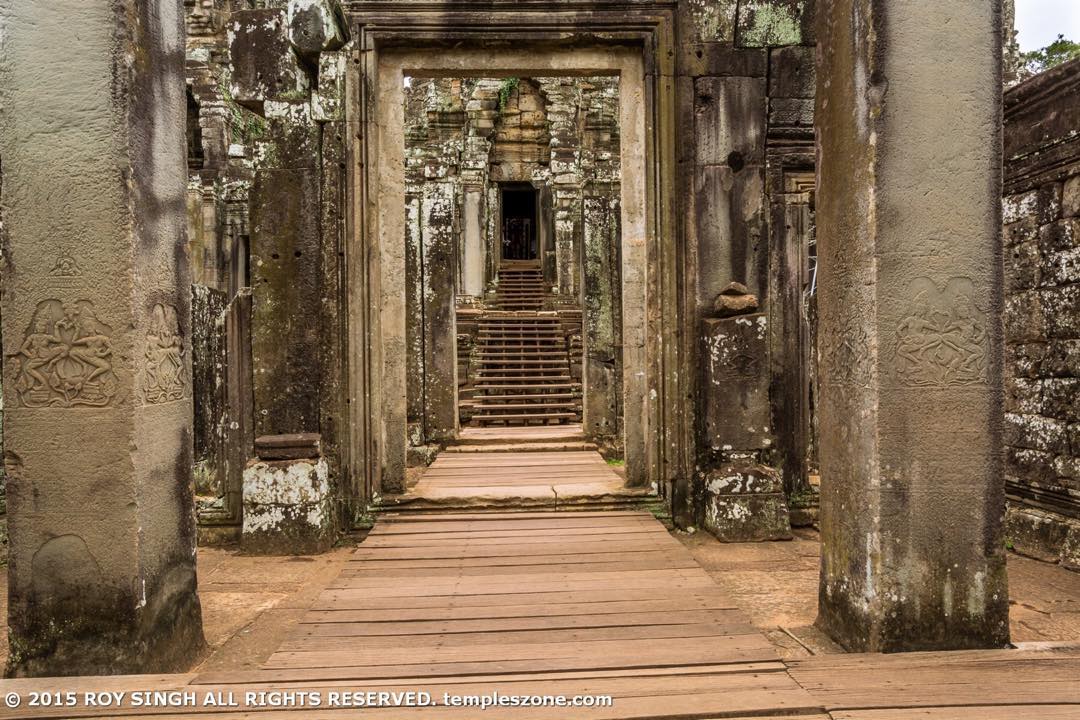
288,509
744,502
1043,535
421,455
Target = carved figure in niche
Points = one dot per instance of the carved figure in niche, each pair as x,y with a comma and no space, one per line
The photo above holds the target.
65,359
942,339
164,370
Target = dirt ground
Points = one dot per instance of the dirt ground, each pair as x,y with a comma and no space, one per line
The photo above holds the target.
250,604
776,585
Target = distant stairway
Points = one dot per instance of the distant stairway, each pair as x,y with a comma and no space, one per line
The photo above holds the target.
520,287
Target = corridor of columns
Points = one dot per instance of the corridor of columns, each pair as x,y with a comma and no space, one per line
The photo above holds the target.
529,316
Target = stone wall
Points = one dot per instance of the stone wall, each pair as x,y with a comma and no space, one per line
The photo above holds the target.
746,154
1042,273
464,136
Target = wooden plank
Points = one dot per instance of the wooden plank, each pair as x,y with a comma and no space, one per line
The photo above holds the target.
422,642
391,611
344,599
597,654
968,712
439,625
993,677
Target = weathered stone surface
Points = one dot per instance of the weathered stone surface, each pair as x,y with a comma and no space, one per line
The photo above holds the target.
313,27
327,101
792,72
735,299
96,310
288,508
736,382
1070,198
264,66
1044,535
775,22
745,502
911,494
289,446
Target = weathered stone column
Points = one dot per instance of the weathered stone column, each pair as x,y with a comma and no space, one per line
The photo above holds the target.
96,313
909,222
474,256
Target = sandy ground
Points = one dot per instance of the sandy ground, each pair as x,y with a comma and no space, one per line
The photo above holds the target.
776,585
250,604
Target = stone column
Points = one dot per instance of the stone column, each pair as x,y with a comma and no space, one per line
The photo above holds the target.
473,261
96,322
909,222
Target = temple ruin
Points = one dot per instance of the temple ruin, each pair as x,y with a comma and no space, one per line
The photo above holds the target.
266,261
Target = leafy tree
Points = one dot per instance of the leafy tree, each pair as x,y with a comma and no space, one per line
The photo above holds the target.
1061,50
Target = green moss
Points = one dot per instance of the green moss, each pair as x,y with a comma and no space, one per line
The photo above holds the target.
506,89
244,125
771,26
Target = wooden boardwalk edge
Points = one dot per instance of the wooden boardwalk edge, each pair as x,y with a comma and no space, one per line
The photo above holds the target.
593,603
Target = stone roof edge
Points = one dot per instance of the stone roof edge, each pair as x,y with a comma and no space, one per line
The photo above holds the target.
1045,85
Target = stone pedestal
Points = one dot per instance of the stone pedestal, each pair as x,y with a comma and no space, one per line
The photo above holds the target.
909,247
744,502
288,509
736,381
96,326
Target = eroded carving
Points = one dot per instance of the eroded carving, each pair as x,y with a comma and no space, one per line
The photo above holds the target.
845,356
65,267
164,379
941,340
65,358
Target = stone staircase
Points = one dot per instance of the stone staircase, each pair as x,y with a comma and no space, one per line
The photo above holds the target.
523,375
520,286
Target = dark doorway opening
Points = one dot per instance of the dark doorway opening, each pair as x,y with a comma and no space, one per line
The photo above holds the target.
519,220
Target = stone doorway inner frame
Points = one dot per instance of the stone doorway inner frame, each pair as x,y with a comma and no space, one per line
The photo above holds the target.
655,421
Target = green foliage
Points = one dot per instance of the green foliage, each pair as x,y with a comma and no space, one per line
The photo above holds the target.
244,125
506,89
1054,54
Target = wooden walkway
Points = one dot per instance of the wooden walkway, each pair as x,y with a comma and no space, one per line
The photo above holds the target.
575,604
548,476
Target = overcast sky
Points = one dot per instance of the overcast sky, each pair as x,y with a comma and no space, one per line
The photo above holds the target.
1039,22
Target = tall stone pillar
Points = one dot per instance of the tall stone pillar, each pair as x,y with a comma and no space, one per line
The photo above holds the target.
96,324
909,162
474,260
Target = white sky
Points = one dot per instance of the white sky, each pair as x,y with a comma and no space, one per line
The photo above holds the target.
1039,22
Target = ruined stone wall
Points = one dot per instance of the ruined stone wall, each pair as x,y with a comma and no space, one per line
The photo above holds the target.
221,138
746,89
462,138
1042,272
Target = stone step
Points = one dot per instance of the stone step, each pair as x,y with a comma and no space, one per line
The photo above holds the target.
531,385
552,446
527,417
527,396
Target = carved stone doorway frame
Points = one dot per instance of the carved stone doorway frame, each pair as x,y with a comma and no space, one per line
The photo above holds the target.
400,43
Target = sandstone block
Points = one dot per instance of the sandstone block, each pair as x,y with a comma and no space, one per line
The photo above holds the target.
313,28
744,502
736,358
264,64
1043,204
288,508
1070,198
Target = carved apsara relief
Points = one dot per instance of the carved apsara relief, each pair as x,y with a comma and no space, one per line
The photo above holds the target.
164,378
845,356
941,339
65,358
